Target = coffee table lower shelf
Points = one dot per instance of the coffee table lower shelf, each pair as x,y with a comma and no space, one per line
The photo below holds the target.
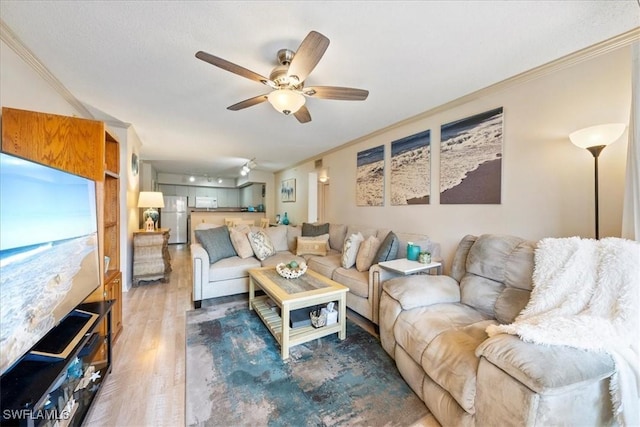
296,335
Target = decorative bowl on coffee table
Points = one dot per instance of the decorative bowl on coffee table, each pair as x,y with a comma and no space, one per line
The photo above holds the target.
291,270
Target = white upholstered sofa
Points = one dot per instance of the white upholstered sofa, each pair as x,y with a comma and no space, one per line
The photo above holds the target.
230,276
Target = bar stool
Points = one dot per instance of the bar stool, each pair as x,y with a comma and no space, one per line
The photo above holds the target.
231,221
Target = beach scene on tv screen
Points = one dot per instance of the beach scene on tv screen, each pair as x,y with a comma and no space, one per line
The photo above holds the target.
48,251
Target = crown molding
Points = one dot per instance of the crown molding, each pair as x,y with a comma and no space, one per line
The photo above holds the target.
602,48
13,41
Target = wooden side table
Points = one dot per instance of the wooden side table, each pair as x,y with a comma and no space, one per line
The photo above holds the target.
151,259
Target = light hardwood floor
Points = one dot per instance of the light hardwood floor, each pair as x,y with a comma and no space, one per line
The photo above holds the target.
146,386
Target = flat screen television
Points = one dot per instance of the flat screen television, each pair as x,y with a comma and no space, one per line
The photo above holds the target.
49,260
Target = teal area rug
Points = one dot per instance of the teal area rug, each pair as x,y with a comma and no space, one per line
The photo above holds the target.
235,377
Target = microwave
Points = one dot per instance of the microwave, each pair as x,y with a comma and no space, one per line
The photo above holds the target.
207,202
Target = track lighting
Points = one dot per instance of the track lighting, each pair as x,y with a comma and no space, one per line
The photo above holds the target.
246,168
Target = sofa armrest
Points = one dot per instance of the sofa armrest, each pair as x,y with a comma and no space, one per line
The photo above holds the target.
422,290
545,368
200,263
378,275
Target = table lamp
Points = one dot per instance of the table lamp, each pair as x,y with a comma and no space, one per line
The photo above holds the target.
150,200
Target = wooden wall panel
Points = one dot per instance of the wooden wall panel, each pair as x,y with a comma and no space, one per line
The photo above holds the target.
68,143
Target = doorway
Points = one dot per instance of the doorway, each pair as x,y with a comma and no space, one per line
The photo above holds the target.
323,201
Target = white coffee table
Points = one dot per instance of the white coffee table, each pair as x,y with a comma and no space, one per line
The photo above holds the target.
405,267
289,294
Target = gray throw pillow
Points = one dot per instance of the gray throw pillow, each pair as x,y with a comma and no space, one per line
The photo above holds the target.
313,230
216,242
388,249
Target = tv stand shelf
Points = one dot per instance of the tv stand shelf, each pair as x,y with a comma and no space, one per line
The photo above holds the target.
39,389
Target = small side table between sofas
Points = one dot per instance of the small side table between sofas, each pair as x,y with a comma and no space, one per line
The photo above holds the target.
151,259
405,267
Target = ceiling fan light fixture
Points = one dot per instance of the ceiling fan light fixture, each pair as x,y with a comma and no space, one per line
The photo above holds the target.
286,101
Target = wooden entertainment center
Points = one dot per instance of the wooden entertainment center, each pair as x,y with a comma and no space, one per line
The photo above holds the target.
86,148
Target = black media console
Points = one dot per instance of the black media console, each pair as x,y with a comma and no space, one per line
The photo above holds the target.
56,382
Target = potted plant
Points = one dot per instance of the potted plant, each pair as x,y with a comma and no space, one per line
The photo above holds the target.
424,257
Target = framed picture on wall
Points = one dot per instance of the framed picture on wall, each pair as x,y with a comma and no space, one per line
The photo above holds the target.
370,177
410,169
288,190
471,159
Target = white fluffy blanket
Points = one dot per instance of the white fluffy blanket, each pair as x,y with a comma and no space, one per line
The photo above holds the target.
586,295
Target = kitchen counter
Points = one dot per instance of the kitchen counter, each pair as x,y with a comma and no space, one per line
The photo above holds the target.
217,216
221,210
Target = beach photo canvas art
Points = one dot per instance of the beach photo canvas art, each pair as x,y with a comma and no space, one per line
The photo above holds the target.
370,177
410,182
471,159
288,190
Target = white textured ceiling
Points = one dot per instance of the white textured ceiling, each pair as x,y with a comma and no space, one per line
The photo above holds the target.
134,60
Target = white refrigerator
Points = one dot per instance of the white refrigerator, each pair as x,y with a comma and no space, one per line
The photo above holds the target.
174,216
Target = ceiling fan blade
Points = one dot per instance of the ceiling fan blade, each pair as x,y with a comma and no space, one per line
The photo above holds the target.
230,66
303,115
248,103
334,92
308,55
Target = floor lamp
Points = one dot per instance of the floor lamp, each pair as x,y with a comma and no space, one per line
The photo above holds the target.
594,139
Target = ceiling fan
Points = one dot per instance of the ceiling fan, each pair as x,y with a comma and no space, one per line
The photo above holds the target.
287,79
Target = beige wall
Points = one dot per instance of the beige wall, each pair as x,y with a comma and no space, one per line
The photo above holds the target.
547,182
129,212
21,87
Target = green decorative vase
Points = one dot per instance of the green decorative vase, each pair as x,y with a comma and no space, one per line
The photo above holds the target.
285,220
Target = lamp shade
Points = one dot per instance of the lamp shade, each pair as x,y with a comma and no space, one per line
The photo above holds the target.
150,199
600,135
286,101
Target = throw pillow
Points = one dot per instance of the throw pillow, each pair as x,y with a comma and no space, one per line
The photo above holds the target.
293,233
278,236
337,236
350,250
388,249
240,243
216,242
312,230
367,252
244,228
317,245
261,245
